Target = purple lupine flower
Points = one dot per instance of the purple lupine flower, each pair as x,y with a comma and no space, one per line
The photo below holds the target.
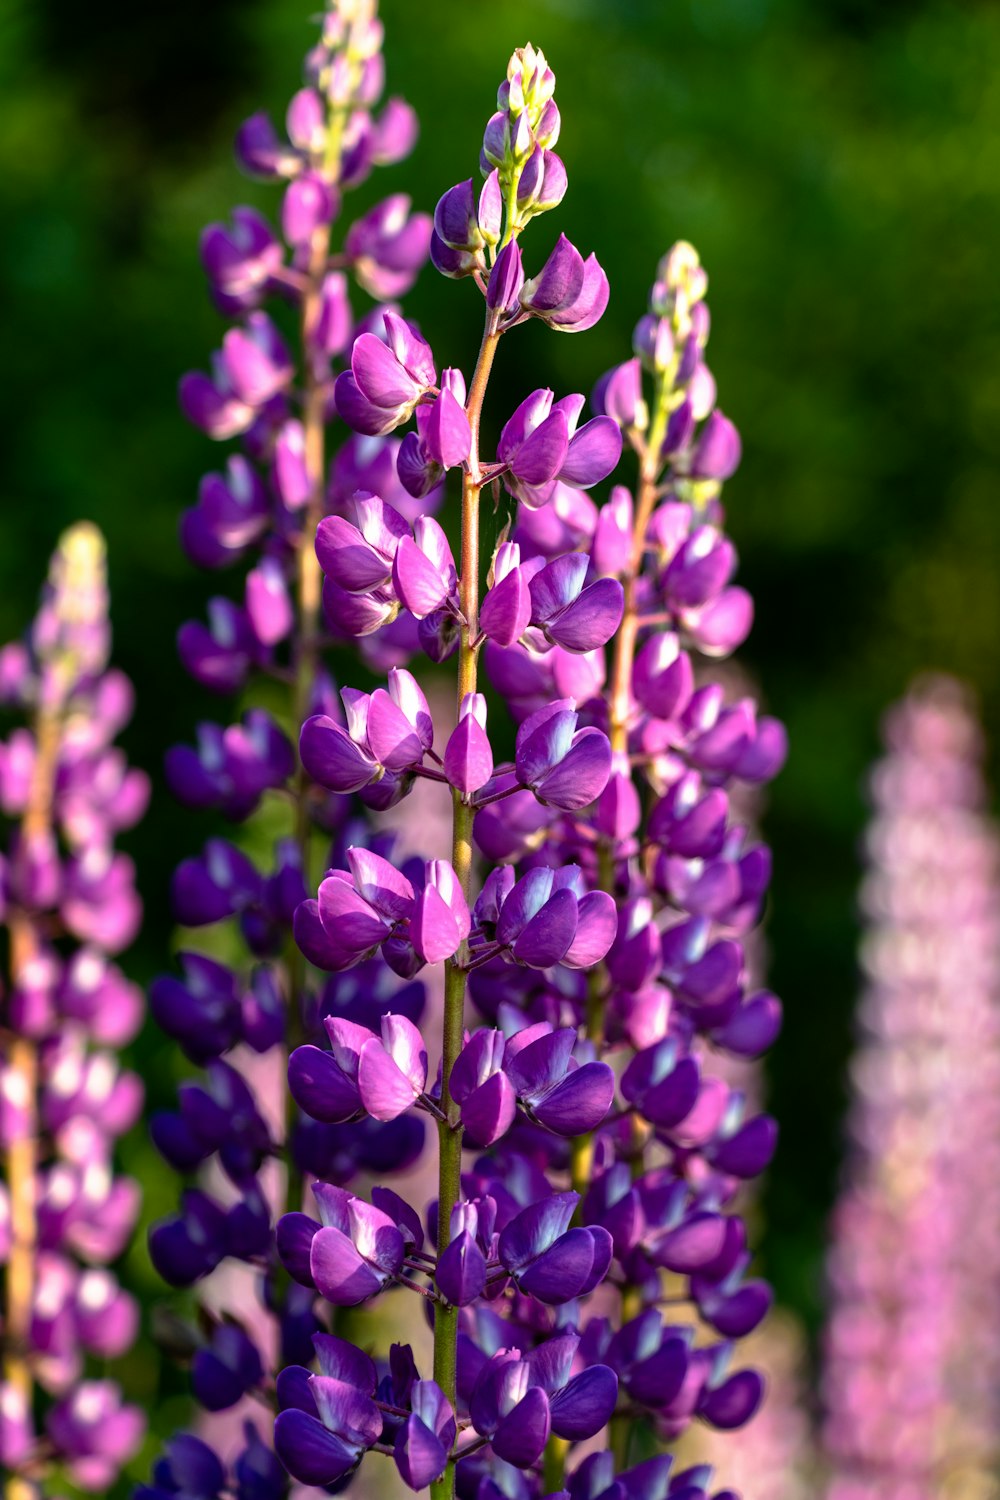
586,922
69,904
387,378
541,445
327,1421
909,1378
288,509
569,293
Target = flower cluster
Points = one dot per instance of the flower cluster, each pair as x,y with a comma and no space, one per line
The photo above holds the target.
69,905
911,1377
589,1154
245,996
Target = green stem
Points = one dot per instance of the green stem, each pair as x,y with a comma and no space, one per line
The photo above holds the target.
554,1464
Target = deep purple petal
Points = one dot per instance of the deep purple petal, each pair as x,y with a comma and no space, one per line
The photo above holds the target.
521,1437
580,1102
586,1404
561,1273
332,758
341,1275
734,1402
309,1452
547,937
419,1453
319,1086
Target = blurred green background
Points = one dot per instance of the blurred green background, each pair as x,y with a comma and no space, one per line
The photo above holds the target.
837,162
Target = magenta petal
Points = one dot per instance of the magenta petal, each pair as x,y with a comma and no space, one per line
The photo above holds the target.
561,1272
695,1243
381,884
348,920
747,1152
350,615
718,451
535,1228
594,450
433,928
461,1271
332,758
379,375
294,1235
341,1275
592,619
385,1090
541,456
581,775
343,1408
310,935
405,1045
559,282
447,436
597,925
662,676
394,741
358,412
347,558
558,584
604,1249
659,1379
422,588
590,303
468,756
725,623
754,1026
506,610
736,1316
488,1111
536,1059
343,1361
543,740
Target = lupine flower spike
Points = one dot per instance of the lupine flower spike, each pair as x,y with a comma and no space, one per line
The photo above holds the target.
69,907
258,516
588,1156
589,917
911,1369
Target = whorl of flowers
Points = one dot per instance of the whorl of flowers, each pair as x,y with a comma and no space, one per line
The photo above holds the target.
69,906
257,519
584,1269
912,1374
